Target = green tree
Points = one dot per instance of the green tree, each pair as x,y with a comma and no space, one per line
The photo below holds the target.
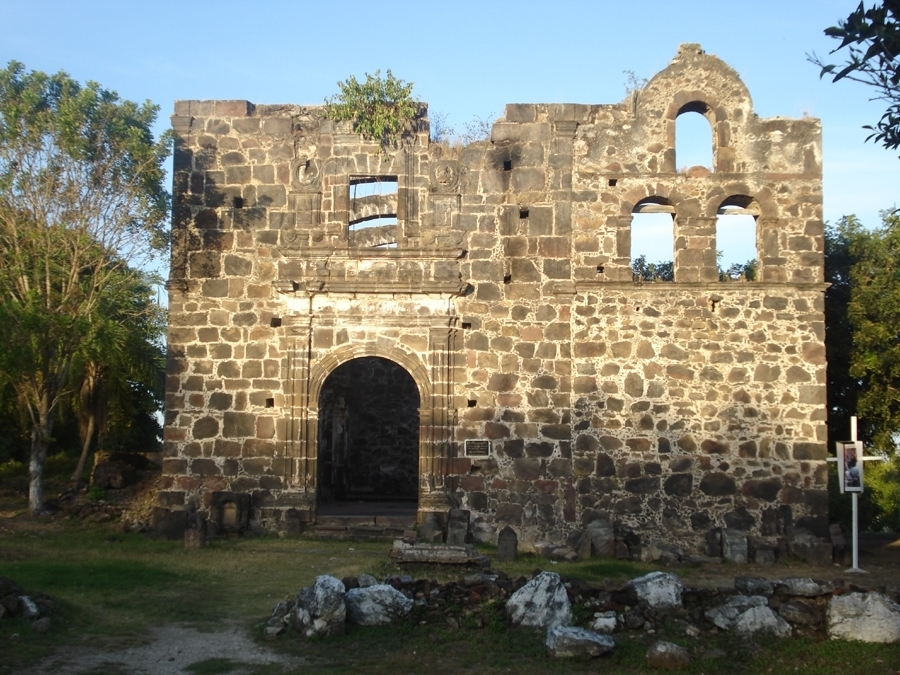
118,371
641,270
380,108
874,315
871,40
862,309
81,198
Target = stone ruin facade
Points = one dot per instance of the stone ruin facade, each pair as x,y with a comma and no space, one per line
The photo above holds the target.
460,327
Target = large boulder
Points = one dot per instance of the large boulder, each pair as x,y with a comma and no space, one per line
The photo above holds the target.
541,603
319,610
664,655
659,590
566,642
869,617
376,605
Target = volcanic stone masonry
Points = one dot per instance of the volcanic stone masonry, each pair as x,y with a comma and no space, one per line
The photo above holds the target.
460,326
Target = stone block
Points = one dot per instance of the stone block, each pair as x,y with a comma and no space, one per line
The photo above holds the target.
734,546
507,545
458,527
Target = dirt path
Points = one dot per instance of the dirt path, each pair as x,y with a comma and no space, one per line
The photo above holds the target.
169,650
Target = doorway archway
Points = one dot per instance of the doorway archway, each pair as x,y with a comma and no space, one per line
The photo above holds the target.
368,435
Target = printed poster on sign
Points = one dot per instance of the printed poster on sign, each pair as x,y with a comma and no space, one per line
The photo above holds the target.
850,465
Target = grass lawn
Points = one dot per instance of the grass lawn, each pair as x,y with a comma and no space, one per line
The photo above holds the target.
112,587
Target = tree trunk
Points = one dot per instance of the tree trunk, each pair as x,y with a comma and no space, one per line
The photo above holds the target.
40,440
85,448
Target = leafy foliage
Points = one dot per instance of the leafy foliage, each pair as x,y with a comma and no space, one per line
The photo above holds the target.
81,197
874,313
862,315
745,270
644,271
871,38
380,108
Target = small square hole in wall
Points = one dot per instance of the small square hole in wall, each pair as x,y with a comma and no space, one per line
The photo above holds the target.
507,165
238,202
471,403
599,269
275,322
466,325
523,214
270,402
507,279
613,181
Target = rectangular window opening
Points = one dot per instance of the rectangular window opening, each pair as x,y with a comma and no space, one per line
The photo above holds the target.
275,322
507,165
270,402
523,214
613,181
466,325
238,202
373,211
507,279
471,403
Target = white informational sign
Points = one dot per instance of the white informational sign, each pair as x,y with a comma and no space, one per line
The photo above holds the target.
850,465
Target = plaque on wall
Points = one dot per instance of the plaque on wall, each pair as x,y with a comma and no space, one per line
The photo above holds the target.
478,448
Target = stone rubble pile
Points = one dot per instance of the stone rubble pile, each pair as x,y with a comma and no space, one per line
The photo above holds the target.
753,607
36,607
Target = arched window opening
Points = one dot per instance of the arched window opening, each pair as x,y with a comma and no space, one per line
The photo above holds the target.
694,145
736,252
653,240
373,212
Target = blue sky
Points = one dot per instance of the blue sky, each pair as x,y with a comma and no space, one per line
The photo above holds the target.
466,58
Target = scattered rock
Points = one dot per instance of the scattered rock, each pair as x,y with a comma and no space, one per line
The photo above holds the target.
725,615
754,586
366,580
604,622
658,589
667,656
28,608
761,619
800,612
803,586
541,603
868,617
319,610
42,625
566,642
376,605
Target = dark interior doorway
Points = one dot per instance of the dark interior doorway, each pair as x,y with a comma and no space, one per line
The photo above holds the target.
368,435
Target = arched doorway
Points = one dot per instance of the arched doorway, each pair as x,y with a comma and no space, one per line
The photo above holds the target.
368,437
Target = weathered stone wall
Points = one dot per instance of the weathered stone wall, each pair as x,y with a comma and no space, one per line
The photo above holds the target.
667,408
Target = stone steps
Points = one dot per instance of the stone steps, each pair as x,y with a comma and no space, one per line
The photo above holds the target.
363,527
